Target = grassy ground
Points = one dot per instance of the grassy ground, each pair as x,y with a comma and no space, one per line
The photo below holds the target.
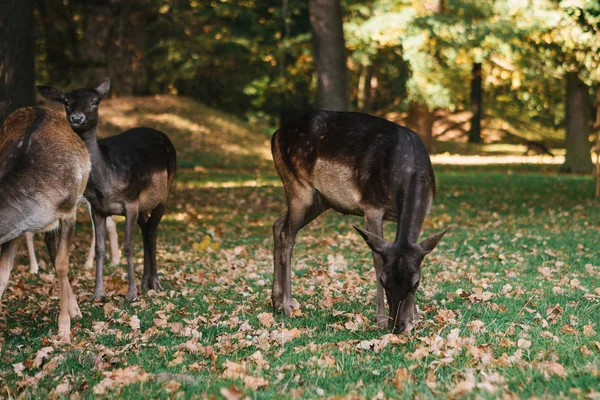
509,301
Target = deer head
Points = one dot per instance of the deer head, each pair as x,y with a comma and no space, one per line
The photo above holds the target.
81,105
401,274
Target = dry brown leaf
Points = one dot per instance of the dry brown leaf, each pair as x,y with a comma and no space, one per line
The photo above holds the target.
588,330
524,344
552,368
255,383
585,351
134,323
465,386
232,370
232,393
476,326
401,378
41,355
121,377
568,329
266,319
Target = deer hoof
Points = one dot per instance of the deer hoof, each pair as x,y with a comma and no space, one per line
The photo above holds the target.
382,323
289,308
151,283
74,311
98,295
132,294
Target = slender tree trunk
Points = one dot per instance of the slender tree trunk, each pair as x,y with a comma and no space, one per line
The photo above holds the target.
420,119
364,88
329,52
578,158
476,95
597,146
17,77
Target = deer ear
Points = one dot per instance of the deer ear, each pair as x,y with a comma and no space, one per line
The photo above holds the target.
377,244
429,244
52,94
103,88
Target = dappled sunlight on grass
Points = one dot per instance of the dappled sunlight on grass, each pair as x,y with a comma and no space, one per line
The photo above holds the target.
457,159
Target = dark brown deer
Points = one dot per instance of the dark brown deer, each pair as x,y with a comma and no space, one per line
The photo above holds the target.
361,165
44,168
132,175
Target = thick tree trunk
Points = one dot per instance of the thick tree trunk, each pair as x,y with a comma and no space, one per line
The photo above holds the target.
17,79
578,158
476,95
329,52
420,119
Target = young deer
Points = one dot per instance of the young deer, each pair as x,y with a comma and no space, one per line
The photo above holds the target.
361,165
132,174
113,240
44,168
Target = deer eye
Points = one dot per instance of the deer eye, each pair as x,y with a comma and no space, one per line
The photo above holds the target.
416,285
95,102
66,101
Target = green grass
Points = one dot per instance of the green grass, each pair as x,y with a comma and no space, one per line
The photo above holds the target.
522,244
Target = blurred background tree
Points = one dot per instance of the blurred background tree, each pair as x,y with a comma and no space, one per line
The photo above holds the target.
521,69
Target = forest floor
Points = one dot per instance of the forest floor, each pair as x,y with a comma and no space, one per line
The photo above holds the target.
509,301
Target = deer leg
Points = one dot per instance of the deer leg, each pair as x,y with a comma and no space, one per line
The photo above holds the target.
277,292
33,264
150,278
143,224
52,239
374,225
7,255
303,207
68,304
113,240
89,262
131,216
100,232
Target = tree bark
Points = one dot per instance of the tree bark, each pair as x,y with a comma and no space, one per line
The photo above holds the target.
17,78
476,95
577,130
329,51
364,88
420,119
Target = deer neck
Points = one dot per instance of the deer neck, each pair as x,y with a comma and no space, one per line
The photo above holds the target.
100,167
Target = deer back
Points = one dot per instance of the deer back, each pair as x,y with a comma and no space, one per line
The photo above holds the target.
353,160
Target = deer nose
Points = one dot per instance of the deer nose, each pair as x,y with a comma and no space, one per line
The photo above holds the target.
77,118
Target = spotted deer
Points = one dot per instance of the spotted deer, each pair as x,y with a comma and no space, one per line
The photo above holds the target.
132,175
361,165
44,168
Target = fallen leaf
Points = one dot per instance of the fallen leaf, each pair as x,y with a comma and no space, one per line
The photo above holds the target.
266,319
255,383
401,378
134,323
232,393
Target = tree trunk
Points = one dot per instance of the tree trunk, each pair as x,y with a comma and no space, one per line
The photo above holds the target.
420,119
364,88
476,94
17,78
578,158
329,52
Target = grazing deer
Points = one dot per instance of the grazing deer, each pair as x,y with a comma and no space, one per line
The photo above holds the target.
538,148
44,168
361,165
113,239
132,175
